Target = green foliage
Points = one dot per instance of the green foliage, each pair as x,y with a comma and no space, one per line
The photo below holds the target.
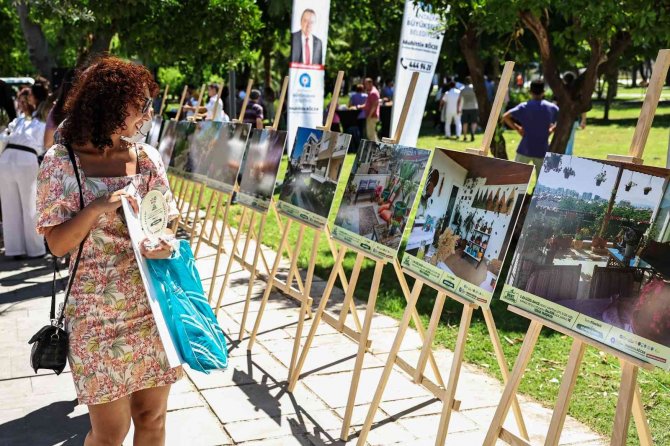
13,54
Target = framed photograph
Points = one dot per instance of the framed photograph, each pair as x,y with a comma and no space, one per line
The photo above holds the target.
180,162
464,223
594,254
265,148
222,163
153,137
312,175
379,196
166,144
204,138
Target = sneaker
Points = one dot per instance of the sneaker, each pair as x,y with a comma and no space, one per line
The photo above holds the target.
472,137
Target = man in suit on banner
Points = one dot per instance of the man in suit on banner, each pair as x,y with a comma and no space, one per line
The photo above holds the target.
306,48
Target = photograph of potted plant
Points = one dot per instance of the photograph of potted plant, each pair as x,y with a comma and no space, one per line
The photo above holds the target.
602,176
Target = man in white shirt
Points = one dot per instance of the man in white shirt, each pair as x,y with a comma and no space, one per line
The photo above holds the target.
450,105
306,48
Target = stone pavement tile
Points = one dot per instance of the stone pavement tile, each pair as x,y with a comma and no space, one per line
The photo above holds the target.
177,401
260,400
242,370
334,389
412,407
385,433
382,340
537,420
360,413
277,427
473,437
427,426
193,426
291,440
5,366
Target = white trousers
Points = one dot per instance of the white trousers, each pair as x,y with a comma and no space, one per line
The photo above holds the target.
18,194
452,116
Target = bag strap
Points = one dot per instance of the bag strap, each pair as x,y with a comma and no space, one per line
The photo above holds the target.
52,313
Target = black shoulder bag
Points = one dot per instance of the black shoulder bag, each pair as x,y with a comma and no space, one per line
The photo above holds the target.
50,344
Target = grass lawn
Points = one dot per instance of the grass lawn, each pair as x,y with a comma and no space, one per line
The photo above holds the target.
594,400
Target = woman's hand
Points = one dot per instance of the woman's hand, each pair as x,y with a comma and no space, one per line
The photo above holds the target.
111,202
162,251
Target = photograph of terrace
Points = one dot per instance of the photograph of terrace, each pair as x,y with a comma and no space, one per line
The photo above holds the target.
467,213
381,191
596,240
314,169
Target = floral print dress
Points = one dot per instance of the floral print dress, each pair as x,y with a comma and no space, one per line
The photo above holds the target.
115,348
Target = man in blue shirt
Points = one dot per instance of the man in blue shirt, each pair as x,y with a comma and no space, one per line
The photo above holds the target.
534,120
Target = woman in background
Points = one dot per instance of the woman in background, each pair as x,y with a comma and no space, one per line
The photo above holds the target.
19,163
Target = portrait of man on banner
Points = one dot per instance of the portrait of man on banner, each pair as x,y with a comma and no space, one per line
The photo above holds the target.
306,48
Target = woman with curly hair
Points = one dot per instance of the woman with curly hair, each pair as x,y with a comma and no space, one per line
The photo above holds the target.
18,176
118,362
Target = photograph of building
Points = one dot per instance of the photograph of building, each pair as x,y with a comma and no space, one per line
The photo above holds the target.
381,192
259,171
313,173
225,157
466,216
596,241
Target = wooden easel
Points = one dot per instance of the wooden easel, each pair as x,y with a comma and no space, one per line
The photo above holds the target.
363,342
629,401
447,395
175,181
301,295
164,100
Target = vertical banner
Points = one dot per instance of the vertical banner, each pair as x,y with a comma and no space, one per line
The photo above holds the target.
309,36
420,42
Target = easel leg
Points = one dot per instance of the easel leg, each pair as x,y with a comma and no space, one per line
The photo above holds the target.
388,368
454,374
641,423
624,407
430,335
231,260
208,212
348,297
219,250
356,376
417,321
197,213
247,240
317,318
305,304
293,269
343,280
268,289
565,393
504,370
191,199
252,278
513,384
217,208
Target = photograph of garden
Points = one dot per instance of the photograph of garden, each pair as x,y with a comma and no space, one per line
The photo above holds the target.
259,172
596,240
313,171
466,215
381,191
225,157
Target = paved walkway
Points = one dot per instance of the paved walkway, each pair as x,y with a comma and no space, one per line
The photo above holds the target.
248,403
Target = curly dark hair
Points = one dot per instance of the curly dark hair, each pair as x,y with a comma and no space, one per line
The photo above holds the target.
96,106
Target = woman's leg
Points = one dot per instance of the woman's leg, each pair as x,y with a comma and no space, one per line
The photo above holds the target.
12,213
110,423
28,193
148,409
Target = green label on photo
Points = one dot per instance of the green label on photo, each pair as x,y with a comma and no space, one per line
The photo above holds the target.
257,204
639,347
300,214
474,294
364,244
593,328
221,187
542,307
422,269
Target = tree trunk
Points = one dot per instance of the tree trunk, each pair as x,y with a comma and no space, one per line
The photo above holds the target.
469,44
566,118
38,47
612,78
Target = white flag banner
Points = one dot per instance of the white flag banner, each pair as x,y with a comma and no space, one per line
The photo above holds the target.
420,42
309,38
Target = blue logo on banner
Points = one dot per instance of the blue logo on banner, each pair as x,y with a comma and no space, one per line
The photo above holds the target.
305,80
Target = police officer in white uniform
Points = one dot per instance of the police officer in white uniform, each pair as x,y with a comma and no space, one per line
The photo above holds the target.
18,180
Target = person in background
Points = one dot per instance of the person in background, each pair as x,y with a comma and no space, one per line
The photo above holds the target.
108,306
387,91
356,101
190,102
254,112
450,105
470,109
490,88
371,109
18,177
534,120
57,114
214,106
269,98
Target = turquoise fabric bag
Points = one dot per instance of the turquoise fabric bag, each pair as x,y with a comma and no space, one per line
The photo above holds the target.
196,333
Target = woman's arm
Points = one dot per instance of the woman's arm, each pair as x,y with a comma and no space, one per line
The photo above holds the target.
66,236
